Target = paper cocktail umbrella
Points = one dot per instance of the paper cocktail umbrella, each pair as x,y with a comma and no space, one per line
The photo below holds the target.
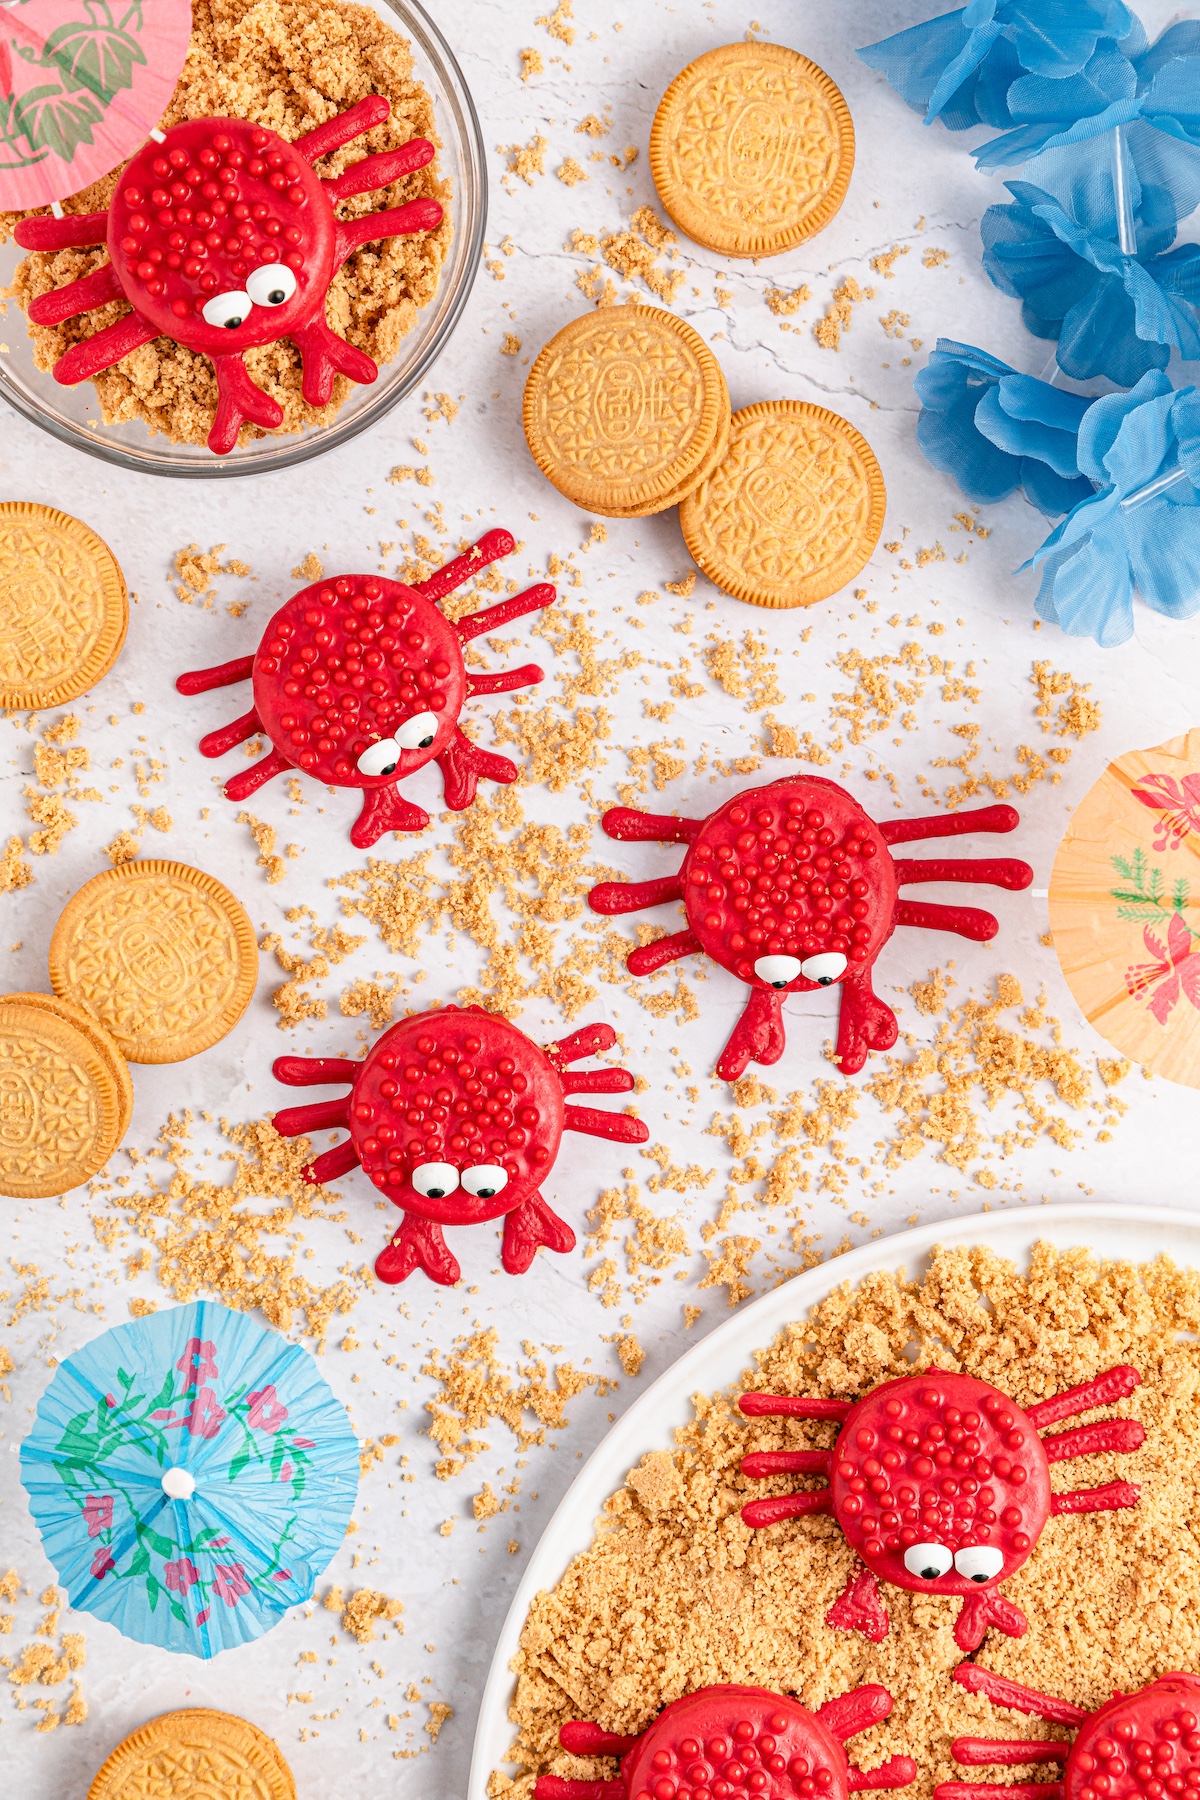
191,1475
83,83
1125,907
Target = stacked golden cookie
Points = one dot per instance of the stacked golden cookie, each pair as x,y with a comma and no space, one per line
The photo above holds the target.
63,607
150,962
626,411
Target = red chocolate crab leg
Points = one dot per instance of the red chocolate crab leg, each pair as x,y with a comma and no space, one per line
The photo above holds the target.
792,1406
462,763
987,1790
896,1772
582,1738
418,1244
1091,1440
598,1081
527,1227
226,737
619,1128
632,896
979,1611
239,400
248,781
758,1035
375,172
964,921
997,871
786,1506
1110,1498
859,1608
585,1042
865,1023
493,545
558,1787
383,809
103,350
1103,1390
981,818
72,232
201,681
648,957
1007,1752
848,1714
84,295
394,221
1003,1692
327,1167
495,618
528,675
343,128
319,1115
314,1071
324,354
761,1463
634,827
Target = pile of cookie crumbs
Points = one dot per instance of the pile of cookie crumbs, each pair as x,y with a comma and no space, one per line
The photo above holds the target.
676,1592
289,65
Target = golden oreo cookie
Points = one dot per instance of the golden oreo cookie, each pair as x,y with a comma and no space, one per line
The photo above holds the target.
622,407
60,1104
793,511
63,607
101,1040
195,1754
752,149
162,954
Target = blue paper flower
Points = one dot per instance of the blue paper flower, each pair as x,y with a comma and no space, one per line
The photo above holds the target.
1116,542
1113,314
995,430
960,67
1152,96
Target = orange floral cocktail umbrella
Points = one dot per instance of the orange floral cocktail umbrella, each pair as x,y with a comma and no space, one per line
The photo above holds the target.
1125,907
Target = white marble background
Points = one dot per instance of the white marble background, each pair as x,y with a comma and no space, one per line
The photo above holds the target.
455,1588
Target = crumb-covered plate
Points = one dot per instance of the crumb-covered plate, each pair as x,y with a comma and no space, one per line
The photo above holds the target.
1129,1233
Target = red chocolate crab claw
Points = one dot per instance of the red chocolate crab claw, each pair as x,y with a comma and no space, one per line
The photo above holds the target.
736,1741
1143,1746
792,887
457,1117
223,238
941,1483
360,681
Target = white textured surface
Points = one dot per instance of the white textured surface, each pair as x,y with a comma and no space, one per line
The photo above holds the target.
456,1589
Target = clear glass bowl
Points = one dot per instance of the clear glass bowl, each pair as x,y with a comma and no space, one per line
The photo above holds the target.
73,414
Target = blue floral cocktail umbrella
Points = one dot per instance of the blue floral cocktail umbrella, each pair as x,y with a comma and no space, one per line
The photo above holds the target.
191,1475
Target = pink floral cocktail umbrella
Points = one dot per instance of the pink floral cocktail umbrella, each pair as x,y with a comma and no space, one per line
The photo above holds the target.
191,1476
83,83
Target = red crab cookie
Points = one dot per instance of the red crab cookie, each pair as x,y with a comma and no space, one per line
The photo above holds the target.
941,1483
223,238
457,1117
359,681
1143,1746
739,1741
792,887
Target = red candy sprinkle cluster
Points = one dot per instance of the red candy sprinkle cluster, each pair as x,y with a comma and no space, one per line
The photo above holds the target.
218,212
794,886
438,1103
750,1760
935,1482
365,655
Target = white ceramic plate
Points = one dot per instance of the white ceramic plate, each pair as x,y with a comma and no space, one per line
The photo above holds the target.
1134,1232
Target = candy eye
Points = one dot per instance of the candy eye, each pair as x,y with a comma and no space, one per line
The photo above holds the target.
379,758
433,1181
418,732
777,970
270,284
927,1561
486,1181
979,1562
824,968
229,310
